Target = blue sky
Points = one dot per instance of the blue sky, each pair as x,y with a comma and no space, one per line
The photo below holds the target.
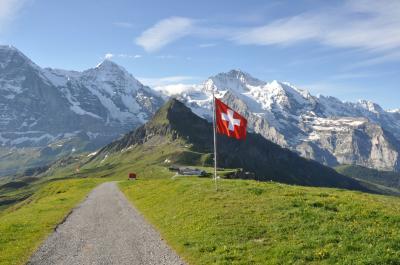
348,49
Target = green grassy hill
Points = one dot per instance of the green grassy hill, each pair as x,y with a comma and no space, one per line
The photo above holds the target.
176,134
249,222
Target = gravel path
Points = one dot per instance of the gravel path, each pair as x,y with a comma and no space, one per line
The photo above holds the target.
105,229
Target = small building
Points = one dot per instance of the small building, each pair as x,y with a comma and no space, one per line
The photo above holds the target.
186,171
132,176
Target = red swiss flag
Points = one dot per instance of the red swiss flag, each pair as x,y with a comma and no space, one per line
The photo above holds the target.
229,122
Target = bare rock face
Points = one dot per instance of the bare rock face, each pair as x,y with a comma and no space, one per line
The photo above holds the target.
352,141
256,123
321,128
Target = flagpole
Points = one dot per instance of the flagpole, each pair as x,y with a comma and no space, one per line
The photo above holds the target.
215,142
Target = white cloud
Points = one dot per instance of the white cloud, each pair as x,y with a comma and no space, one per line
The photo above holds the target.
351,75
8,10
364,74
108,56
385,58
372,26
369,26
283,31
177,89
164,32
163,81
171,85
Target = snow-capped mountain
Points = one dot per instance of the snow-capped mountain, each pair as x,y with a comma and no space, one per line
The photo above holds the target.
43,107
39,106
321,128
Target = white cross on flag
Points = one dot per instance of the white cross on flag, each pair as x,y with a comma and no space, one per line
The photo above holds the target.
229,122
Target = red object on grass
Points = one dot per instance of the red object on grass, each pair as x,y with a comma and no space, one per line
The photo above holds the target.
132,176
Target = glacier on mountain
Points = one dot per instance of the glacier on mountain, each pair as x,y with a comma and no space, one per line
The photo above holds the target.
317,127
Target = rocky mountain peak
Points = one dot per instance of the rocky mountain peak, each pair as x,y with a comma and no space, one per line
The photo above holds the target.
234,80
11,57
108,64
111,78
108,67
370,106
177,116
171,106
40,105
286,94
8,49
244,77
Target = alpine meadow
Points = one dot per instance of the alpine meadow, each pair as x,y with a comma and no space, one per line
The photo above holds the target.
199,132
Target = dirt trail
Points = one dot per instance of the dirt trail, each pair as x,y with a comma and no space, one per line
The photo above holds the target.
105,229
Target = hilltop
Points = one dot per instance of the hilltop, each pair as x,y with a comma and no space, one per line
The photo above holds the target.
175,134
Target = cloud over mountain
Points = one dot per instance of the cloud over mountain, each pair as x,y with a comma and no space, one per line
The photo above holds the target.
164,32
369,26
8,10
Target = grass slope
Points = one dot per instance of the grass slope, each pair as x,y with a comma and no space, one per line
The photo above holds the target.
384,180
13,192
17,160
249,222
176,125
25,225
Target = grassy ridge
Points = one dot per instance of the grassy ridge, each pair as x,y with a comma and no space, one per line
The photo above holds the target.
268,223
388,180
25,225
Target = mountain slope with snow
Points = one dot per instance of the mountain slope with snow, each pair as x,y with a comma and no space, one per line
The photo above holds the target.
44,107
39,106
320,128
